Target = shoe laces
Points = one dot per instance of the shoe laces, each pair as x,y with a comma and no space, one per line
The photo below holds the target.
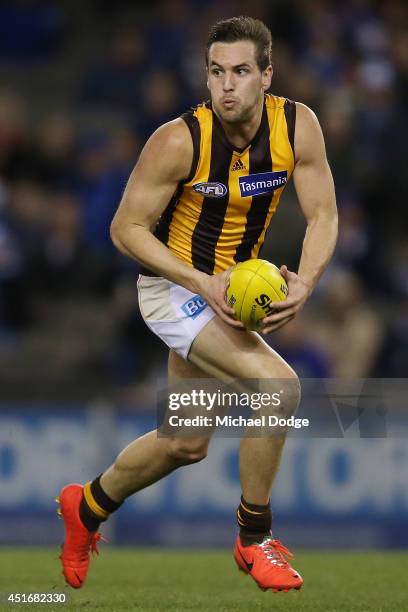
275,552
95,538
89,544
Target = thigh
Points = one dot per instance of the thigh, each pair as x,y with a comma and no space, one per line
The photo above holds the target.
224,352
180,369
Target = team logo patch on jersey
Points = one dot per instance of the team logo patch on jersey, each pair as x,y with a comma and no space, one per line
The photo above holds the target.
194,306
265,182
211,190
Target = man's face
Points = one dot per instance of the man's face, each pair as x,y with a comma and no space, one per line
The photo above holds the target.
235,81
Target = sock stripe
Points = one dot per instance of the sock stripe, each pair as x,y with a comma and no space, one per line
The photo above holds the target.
240,519
252,511
93,505
254,520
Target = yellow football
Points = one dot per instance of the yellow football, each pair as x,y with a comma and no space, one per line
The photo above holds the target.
253,286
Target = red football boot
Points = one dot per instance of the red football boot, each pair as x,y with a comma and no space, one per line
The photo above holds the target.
267,565
79,542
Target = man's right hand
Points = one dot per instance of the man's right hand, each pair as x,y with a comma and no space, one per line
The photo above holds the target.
213,290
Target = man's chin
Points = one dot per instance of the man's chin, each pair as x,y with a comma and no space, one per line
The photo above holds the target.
231,115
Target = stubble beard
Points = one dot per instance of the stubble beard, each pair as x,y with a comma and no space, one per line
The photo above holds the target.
236,117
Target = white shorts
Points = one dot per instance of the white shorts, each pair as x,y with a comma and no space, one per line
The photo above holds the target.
173,313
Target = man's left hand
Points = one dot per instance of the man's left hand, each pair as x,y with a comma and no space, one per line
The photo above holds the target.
286,310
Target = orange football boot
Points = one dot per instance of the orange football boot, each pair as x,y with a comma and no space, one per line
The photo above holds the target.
79,541
267,565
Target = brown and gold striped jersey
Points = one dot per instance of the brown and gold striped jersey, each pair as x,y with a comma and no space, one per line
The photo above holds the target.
219,215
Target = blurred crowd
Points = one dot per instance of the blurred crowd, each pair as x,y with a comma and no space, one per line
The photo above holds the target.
82,87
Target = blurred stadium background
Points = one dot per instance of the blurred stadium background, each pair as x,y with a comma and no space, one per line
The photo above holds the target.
82,85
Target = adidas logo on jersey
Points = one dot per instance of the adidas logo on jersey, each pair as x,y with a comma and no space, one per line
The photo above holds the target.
239,165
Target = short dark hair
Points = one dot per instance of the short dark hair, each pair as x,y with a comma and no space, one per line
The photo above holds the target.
243,28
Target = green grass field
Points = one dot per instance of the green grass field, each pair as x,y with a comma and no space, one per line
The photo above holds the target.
162,580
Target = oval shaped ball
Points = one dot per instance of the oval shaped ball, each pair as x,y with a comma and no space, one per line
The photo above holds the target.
253,286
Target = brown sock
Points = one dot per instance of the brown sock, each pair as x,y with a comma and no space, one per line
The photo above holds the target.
96,506
255,522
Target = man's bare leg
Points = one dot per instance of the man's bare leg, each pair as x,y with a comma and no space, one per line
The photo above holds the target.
150,458
224,352
259,460
140,464
227,353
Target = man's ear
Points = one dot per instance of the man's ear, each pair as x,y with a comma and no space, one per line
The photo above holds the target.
208,85
267,77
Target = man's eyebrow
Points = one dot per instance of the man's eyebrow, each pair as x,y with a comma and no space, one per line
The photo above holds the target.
243,65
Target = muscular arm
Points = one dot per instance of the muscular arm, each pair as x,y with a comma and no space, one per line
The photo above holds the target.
165,160
315,190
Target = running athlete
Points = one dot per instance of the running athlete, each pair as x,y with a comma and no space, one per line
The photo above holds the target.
195,204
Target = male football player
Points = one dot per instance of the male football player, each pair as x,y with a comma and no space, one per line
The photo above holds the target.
199,200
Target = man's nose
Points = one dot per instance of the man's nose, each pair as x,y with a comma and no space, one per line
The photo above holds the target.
228,83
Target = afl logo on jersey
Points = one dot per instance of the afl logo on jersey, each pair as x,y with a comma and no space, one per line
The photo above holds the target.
211,190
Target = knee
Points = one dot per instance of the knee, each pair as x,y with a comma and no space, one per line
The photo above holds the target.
290,398
185,451
292,383
286,384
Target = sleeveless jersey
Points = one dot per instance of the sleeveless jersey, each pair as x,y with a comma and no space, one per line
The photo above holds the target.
219,215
